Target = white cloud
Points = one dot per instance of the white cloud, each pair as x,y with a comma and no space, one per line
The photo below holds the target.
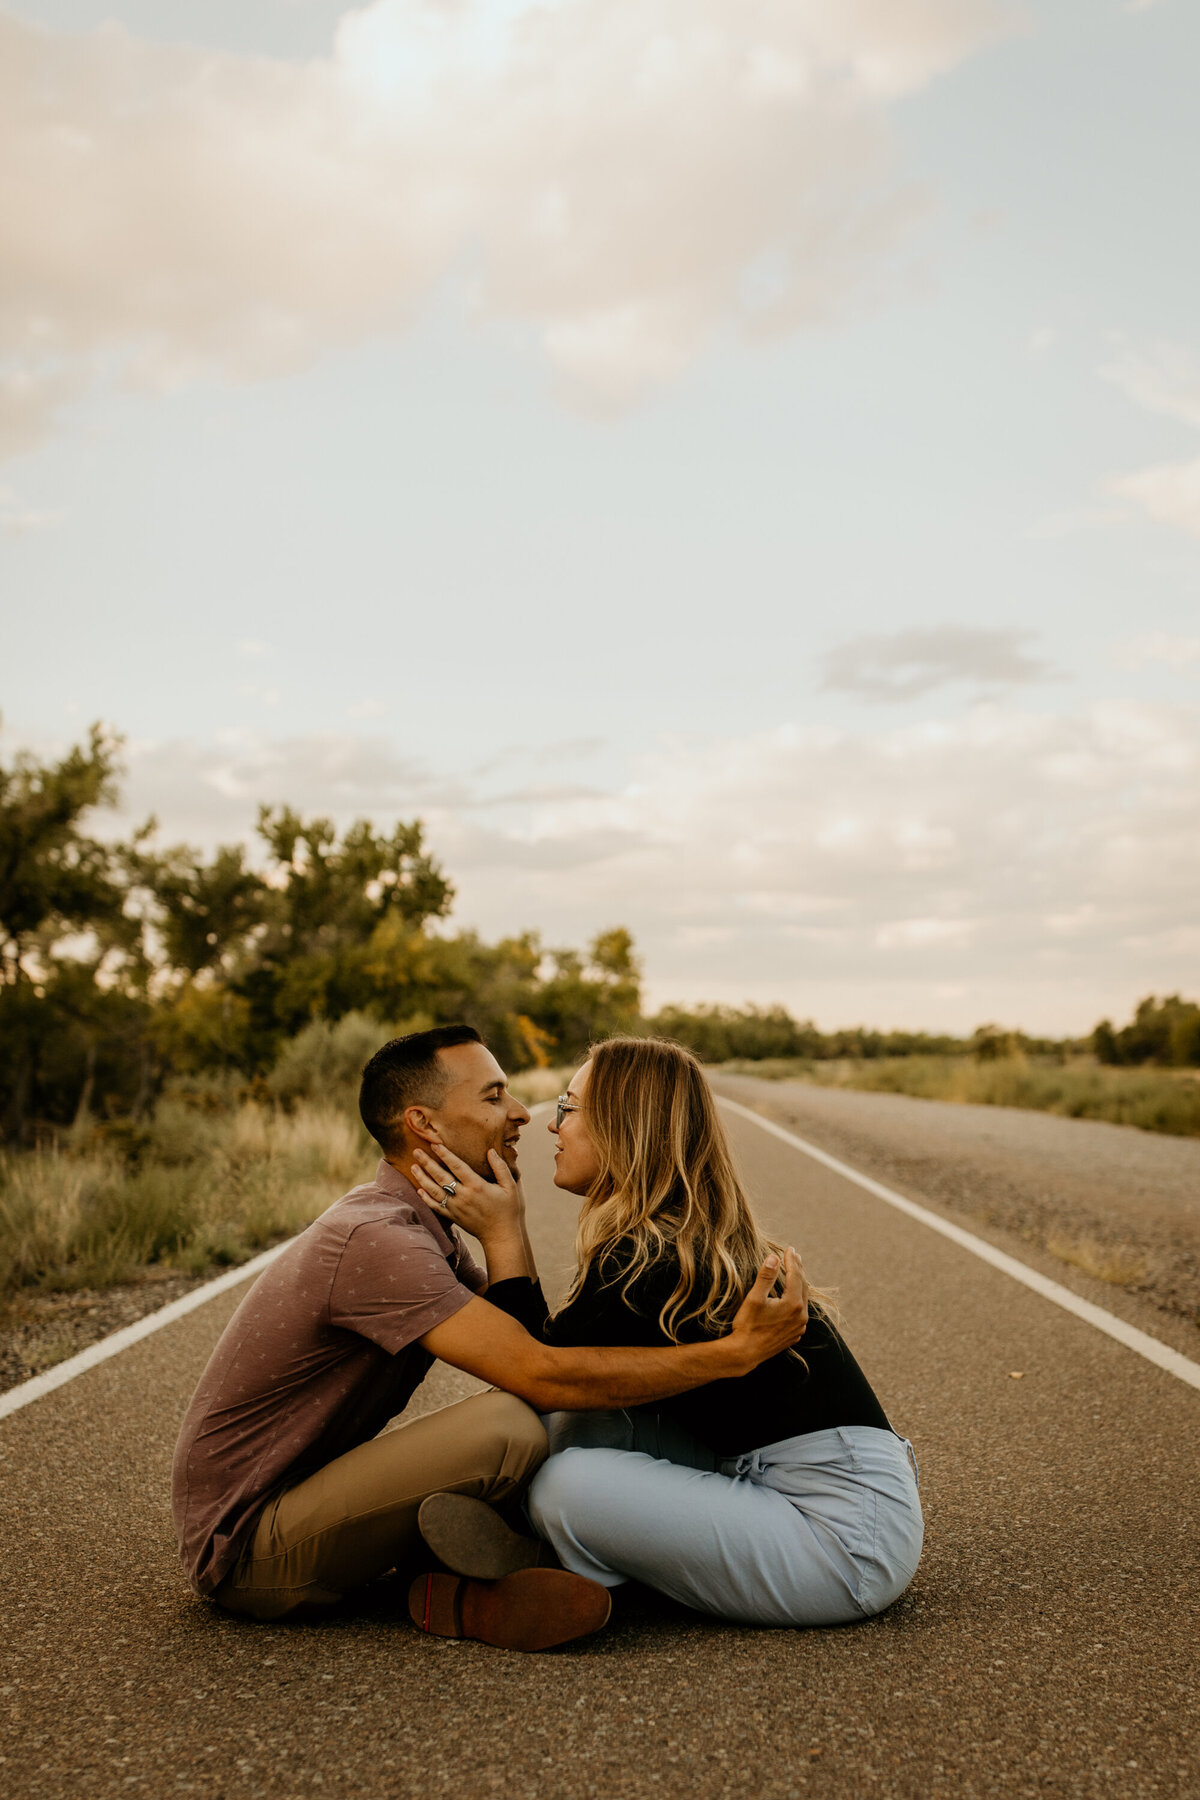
1157,646
611,173
210,793
32,391
1160,378
1008,864
920,934
902,665
1168,492
260,693
19,520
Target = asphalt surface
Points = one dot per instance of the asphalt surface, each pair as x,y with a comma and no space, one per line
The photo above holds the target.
1048,1645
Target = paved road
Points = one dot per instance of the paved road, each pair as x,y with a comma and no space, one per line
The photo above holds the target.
1048,1646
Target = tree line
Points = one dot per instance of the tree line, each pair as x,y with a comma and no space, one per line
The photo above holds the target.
125,966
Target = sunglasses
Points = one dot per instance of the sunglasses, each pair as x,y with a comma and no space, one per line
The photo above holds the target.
562,1106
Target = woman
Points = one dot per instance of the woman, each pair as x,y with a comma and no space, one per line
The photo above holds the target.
780,1498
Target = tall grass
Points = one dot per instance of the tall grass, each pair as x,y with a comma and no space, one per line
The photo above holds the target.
193,1192
1153,1099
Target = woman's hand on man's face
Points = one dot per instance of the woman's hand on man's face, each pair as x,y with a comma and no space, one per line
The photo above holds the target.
764,1325
484,1208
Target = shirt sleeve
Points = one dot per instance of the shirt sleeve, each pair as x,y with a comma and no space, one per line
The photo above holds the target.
466,1268
602,1315
523,1300
394,1283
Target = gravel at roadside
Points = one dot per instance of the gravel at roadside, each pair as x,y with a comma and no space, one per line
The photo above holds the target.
37,1331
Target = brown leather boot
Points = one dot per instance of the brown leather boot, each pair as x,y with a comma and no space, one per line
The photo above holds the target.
533,1609
471,1538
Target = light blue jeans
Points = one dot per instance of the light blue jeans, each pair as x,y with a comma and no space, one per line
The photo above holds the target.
824,1529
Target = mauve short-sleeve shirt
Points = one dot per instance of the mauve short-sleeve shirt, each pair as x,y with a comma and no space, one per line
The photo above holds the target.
320,1354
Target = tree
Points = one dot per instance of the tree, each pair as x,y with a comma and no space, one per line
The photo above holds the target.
52,877
992,1043
73,965
325,903
206,913
1165,1031
334,926
587,998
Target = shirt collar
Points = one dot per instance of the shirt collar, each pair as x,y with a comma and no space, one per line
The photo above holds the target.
390,1181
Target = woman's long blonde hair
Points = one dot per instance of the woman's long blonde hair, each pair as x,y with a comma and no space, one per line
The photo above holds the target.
667,1185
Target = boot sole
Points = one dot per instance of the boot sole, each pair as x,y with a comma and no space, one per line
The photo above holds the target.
533,1609
471,1539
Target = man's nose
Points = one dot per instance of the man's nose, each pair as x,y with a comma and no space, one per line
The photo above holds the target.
520,1113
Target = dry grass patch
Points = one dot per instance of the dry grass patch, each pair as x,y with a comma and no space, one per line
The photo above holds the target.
1121,1265
192,1192
53,1349
1166,1100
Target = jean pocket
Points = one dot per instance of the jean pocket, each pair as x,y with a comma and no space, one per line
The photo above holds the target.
898,1540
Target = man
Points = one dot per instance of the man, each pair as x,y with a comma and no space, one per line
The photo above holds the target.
285,1494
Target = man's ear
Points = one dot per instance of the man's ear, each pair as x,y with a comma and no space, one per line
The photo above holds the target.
418,1125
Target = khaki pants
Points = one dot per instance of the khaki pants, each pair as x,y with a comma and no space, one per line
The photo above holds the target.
357,1518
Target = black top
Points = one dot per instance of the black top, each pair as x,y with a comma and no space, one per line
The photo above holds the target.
782,1398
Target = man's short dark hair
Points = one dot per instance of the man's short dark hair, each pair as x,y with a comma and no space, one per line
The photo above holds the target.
406,1072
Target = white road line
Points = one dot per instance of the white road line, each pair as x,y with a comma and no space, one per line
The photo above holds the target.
100,1352
1161,1355
132,1334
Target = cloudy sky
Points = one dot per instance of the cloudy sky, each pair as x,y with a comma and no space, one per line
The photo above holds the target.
731,466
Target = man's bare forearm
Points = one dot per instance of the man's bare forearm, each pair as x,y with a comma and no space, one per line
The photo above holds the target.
594,1380
484,1341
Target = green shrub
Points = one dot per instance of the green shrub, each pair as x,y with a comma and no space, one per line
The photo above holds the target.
325,1061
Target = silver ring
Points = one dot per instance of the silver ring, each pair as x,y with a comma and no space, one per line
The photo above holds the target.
449,1188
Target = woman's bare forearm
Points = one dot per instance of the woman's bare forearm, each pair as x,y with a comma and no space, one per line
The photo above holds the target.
530,1259
507,1254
